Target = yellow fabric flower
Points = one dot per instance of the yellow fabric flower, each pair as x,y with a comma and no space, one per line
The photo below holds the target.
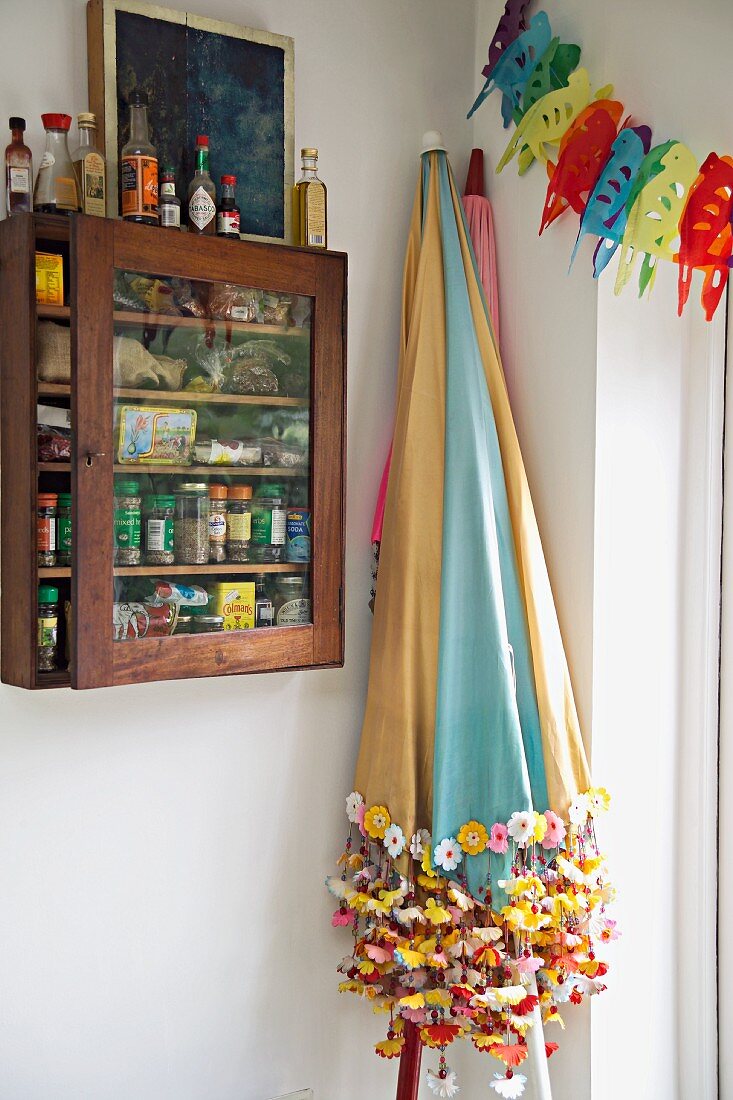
427,865
377,821
540,827
598,801
390,1048
473,838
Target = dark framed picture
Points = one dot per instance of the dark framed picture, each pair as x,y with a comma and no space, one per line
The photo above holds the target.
199,76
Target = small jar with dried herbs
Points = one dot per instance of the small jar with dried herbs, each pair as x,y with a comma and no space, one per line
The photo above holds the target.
127,523
191,523
158,521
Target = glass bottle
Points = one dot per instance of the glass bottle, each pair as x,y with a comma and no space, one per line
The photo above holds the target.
90,168
227,213
139,169
158,523
170,204
48,625
127,523
63,527
18,171
264,608
292,605
239,522
217,523
46,528
191,523
268,526
202,193
56,191
309,204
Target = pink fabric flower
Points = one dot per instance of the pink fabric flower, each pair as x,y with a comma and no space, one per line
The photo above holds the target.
341,919
498,840
359,817
556,830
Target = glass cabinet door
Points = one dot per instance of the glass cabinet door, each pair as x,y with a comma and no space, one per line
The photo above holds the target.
211,426
208,473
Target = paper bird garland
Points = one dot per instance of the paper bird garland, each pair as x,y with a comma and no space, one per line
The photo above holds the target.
640,202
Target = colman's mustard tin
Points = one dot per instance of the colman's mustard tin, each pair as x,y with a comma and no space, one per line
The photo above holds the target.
235,601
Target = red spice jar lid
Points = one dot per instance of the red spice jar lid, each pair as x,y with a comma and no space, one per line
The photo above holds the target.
46,500
229,179
240,492
217,492
202,139
56,122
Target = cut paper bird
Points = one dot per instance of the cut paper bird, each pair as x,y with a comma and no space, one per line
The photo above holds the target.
550,117
584,150
652,228
706,238
550,73
605,212
509,27
515,66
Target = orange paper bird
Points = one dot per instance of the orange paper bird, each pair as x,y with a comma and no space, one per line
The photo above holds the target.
706,238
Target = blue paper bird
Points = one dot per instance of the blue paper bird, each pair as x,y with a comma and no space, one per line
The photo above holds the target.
607,210
515,66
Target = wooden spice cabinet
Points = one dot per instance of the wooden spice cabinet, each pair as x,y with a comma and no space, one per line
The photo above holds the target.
93,249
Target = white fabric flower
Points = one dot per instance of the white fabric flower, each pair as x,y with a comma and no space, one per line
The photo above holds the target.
394,841
579,809
419,841
509,1087
521,827
448,854
353,802
444,1086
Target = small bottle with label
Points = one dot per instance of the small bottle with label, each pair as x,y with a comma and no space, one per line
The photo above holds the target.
202,193
139,169
48,624
264,607
227,213
18,171
170,204
309,204
56,190
90,168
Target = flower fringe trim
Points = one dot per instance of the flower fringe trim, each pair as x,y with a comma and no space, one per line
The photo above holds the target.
427,952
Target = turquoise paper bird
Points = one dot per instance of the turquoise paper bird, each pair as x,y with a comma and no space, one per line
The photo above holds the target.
515,66
606,212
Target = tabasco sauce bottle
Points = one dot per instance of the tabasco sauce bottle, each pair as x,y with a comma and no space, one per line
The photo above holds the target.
309,204
202,193
139,169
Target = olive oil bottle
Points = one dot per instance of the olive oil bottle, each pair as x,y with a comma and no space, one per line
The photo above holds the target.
309,204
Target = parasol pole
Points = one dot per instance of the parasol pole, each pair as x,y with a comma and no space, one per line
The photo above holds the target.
408,1082
537,1055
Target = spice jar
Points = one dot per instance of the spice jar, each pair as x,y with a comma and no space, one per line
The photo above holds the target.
127,523
46,528
56,190
158,522
239,522
183,624
217,522
264,610
292,606
268,525
207,624
63,530
191,523
48,625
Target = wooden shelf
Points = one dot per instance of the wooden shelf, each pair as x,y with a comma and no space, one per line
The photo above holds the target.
181,397
223,569
46,572
59,678
130,319
133,469
173,320
54,313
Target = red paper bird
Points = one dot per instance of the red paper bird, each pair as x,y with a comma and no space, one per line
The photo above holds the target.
584,150
706,237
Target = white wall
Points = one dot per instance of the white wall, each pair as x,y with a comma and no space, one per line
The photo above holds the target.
164,931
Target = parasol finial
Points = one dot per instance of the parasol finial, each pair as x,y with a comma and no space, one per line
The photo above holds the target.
432,141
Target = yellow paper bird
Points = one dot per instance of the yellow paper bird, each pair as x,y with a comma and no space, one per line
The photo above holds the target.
547,120
652,228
